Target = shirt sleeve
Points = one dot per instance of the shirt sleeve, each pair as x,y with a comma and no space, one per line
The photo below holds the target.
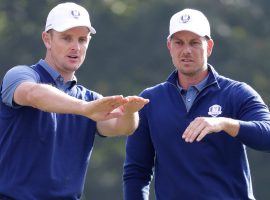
254,119
13,78
139,162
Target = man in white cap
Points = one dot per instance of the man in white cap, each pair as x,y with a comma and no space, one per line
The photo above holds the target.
196,126
48,122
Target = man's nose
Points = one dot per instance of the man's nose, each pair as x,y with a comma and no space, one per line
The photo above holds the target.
187,49
76,45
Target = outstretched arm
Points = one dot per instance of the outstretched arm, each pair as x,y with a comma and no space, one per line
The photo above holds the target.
50,99
115,115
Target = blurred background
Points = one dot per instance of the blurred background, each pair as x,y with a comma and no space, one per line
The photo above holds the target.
129,53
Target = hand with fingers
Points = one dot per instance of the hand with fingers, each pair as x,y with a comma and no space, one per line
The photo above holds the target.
104,108
200,127
127,117
134,104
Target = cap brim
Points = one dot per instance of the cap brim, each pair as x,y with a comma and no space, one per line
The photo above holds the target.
65,27
186,29
92,30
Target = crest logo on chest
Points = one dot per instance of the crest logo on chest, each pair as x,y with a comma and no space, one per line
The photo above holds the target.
215,110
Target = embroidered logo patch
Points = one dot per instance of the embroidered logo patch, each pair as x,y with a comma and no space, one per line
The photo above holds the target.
185,18
215,110
76,14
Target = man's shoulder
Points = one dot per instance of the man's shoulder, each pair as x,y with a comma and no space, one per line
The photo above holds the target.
155,89
20,72
20,68
226,81
239,88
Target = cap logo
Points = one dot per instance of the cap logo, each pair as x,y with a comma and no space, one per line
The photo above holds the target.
75,13
185,18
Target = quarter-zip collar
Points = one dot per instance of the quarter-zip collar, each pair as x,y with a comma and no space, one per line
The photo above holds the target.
212,79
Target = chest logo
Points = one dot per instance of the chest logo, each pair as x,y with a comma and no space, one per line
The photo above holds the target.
215,110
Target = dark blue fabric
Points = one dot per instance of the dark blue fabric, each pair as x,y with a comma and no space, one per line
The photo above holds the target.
2,197
45,155
215,168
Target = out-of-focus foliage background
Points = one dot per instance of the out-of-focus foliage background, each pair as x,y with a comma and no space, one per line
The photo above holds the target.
129,53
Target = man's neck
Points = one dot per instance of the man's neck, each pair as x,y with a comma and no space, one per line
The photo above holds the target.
186,81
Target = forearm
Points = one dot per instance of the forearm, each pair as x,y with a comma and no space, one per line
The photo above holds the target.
230,126
47,98
128,123
139,163
136,190
124,125
255,134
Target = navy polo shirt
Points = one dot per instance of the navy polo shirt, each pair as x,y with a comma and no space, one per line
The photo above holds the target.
44,155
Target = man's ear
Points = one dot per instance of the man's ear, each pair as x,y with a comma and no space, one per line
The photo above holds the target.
46,37
169,44
210,45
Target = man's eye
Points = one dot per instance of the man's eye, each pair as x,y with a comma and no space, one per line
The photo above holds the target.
67,38
83,40
178,42
195,43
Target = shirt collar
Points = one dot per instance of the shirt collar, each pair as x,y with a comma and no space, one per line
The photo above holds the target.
198,86
212,78
53,73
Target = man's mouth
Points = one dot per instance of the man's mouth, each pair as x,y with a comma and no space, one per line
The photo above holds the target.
73,56
186,60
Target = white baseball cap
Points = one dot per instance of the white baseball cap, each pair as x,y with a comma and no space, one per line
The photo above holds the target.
68,15
190,20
